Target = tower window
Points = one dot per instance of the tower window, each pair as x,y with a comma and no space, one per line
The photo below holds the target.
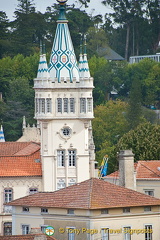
36,105
61,184
42,105
82,105
59,105
33,190
89,104
72,106
65,102
72,157
48,103
60,158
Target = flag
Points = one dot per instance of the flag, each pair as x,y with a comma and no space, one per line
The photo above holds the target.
104,166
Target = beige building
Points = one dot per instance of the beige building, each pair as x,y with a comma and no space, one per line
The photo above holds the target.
20,175
143,176
93,209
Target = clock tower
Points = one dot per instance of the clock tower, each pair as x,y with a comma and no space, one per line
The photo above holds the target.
64,109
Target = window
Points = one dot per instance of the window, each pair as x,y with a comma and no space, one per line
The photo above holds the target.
42,105
25,209
148,232
105,233
25,229
104,211
7,228
60,158
89,104
36,105
82,105
43,228
72,182
59,105
48,103
33,190
127,234
70,211
61,184
66,131
72,158
8,195
71,233
44,210
147,208
65,104
149,192
126,210
72,106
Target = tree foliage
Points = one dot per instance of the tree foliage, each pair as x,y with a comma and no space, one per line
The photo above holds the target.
144,142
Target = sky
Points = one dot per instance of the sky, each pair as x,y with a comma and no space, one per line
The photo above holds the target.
95,7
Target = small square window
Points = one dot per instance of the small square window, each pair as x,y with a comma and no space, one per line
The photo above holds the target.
126,210
147,208
25,209
70,211
33,190
44,210
149,192
104,211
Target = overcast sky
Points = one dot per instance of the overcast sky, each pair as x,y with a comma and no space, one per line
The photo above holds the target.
9,6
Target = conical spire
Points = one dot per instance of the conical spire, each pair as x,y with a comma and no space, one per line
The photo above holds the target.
24,122
81,61
86,73
42,67
63,63
2,139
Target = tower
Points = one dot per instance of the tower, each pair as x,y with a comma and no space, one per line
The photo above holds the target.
64,109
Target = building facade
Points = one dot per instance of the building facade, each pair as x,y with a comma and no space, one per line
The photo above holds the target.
90,210
64,109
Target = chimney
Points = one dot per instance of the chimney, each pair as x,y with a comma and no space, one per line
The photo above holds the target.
126,169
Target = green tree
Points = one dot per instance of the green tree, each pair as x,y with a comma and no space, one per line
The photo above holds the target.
108,126
134,113
4,33
144,142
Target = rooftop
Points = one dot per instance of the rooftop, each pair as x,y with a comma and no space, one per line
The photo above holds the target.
90,194
27,237
148,170
19,159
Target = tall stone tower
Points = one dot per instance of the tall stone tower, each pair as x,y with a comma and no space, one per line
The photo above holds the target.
64,109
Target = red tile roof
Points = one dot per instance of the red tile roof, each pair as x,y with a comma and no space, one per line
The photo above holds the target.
20,159
25,237
90,194
144,170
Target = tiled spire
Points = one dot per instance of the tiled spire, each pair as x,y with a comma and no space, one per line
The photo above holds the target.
86,73
2,139
63,63
42,67
81,71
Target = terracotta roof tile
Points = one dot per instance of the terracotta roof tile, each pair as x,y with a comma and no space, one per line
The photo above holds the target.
144,170
90,194
24,160
25,237
18,148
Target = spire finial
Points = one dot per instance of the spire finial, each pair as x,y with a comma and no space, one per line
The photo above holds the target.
62,9
24,122
85,44
2,139
41,50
